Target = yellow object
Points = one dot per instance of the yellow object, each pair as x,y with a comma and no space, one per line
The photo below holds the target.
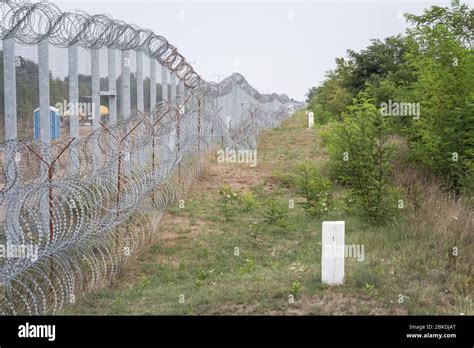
104,110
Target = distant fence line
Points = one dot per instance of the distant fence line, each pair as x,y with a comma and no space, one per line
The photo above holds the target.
75,210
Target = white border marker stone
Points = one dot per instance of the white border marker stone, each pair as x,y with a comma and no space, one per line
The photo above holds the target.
332,261
310,119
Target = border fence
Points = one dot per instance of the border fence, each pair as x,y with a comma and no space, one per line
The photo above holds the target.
74,210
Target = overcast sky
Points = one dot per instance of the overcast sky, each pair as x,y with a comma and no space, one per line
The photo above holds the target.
279,46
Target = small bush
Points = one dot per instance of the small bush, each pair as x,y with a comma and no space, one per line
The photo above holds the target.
228,198
295,288
274,213
283,179
314,188
248,201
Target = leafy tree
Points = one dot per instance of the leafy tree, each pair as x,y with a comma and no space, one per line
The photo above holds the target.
310,94
330,99
379,60
458,20
360,152
443,138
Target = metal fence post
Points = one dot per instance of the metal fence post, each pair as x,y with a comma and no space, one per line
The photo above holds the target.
140,99
111,66
44,124
9,83
11,133
44,101
95,72
152,85
73,105
173,86
164,83
125,65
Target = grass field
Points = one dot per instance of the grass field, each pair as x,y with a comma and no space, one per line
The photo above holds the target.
227,258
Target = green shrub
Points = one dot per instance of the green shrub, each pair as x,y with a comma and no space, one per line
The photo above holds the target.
248,200
314,188
274,213
295,288
284,179
360,151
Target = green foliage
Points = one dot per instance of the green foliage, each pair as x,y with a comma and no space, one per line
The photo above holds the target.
248,201
458,20
248,267
443,139
330,99
295,288
227,199
379,60
314,188
274,213
321,115
284,179
369,288
359,149
431,65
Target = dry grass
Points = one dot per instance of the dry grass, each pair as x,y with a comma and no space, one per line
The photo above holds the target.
439,216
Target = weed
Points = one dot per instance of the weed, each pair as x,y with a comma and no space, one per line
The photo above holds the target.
248,201
228,198
295,288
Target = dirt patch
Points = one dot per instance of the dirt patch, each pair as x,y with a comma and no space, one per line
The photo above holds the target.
239,176
338,303
168,233
329,303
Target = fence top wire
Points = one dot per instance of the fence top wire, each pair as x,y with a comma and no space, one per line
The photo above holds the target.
32,23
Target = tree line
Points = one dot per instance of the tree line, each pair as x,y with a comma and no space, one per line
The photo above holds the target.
416,90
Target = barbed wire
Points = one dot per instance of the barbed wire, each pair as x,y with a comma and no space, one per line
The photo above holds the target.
33,23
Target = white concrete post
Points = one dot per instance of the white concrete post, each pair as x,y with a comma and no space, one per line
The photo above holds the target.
333,247
310,119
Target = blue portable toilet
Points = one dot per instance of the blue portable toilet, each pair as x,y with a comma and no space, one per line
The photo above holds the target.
54,122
